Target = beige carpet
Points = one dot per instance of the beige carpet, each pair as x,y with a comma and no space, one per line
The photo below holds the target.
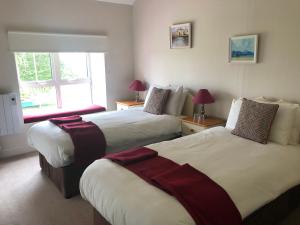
29,198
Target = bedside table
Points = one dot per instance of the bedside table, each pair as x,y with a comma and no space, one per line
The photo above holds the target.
191,127
123,105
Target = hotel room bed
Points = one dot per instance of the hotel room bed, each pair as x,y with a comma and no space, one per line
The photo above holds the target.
122,130
260,179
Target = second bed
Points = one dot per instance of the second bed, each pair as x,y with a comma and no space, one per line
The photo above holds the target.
122,130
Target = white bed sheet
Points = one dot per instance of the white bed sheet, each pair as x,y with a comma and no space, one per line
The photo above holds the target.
120,128
252,174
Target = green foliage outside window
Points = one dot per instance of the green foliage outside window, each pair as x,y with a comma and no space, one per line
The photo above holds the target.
34,66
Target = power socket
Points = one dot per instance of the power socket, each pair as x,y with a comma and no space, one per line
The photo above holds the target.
13,99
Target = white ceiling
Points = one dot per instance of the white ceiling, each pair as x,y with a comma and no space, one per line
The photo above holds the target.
125,2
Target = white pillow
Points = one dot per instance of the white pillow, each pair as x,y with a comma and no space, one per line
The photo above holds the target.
297,127
182,101
294,137
234,113
295,133
282,128
282,125
172,107
266,99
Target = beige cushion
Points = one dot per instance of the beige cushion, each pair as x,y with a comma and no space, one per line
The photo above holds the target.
255,121
295,133
172,107
157,101
182,101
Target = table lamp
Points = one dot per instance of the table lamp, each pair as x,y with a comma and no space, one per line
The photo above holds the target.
203,97
137,86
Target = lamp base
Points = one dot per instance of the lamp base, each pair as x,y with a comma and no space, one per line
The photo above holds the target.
203,116
137,96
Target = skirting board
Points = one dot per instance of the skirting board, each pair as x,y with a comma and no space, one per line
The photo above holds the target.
10,152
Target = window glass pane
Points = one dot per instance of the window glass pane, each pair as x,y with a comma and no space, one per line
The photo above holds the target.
76,95
33,66
73,66
38,99
25,64
98,78
43,66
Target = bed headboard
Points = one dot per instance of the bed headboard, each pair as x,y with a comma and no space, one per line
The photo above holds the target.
188,108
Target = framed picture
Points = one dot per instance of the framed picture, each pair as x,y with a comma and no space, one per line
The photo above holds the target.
181,35
243,49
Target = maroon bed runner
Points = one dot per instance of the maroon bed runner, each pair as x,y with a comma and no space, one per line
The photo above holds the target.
89,141
206,201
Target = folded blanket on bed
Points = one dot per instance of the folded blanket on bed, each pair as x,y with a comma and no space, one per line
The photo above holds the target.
206,201
89,141
68,119
132,156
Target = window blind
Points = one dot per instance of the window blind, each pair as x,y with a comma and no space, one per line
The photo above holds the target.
50,42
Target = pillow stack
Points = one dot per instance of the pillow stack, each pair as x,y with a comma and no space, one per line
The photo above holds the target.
285,128
172,105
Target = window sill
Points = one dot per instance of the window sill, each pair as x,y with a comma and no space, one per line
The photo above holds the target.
43,117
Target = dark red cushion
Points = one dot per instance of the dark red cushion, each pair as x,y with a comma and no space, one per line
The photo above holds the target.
42,117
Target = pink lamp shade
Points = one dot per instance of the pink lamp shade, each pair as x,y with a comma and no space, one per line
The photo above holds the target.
137,85
203,97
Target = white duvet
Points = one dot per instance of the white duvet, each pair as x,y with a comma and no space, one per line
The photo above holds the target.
121,129
252,174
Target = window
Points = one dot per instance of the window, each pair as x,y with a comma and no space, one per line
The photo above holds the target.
59,81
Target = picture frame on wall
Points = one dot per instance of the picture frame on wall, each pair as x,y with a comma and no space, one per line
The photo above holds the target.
181,36
243,49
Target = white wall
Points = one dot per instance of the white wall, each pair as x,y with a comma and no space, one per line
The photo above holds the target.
206,65
67,16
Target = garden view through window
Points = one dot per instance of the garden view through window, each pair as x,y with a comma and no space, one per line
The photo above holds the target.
53,82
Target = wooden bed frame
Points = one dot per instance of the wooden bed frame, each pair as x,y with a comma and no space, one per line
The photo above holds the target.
270,214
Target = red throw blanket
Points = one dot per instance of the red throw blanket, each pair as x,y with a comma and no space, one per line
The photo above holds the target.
206,201
132,156
89,141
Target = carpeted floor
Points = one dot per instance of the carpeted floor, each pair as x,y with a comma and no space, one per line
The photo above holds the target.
28,198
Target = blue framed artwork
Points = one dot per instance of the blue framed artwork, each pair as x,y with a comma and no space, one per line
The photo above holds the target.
243,49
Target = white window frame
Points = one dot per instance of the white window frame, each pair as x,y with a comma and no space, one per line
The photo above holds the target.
56,81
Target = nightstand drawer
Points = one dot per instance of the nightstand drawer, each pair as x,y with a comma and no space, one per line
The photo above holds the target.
188,128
